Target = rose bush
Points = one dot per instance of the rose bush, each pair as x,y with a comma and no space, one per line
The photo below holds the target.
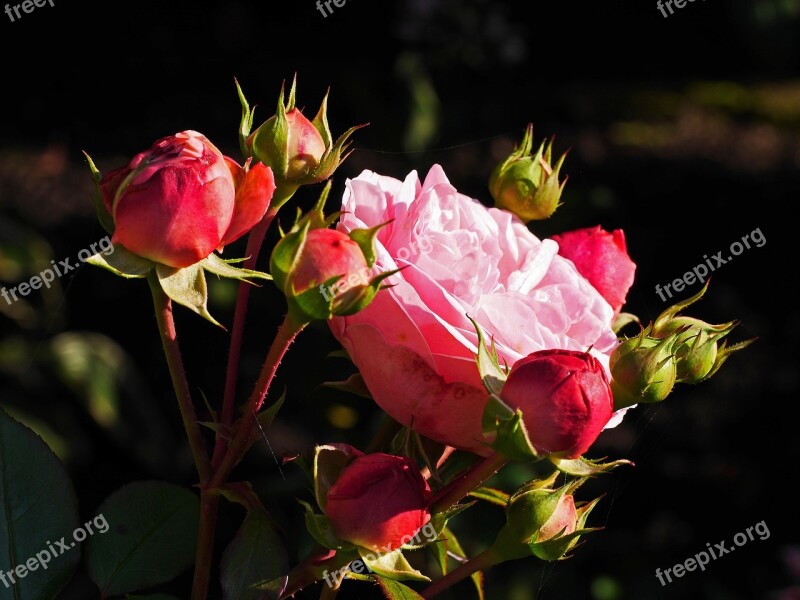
182,199
415,344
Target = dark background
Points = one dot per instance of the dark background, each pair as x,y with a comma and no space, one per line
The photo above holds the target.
683,131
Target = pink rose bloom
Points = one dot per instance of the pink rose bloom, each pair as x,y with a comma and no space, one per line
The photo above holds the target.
414,345
602,258
182,199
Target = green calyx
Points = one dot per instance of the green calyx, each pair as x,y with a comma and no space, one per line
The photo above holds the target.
527,184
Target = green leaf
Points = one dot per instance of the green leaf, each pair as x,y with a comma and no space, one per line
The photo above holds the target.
122,262
38,509
224,268
392,565
394,590
152,537
583,467
255,557
187,287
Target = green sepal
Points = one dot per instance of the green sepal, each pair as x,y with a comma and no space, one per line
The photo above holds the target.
583,467
673,310
623,320
511,437
269,143
354,384
365,238
329,462
492,374
105,218
321,121
187,287
224,268
286,254
359,297
122,262
724,352
246,124
310,305
320,528
334,157
491,495
392,565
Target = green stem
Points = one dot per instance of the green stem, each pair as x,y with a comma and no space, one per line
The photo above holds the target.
388,429
243,438
461,486
483,561
169,339
254,242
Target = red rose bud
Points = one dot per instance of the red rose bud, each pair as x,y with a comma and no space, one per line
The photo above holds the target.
299,151
526,184
565,400
182,199
304,146
602,258
643,369
325,272
379,502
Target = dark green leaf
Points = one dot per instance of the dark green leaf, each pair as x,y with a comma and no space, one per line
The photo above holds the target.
255,556
152,538
38,509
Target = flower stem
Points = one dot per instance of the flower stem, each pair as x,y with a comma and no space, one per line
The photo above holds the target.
169,339
243,437
209,505
254,243
483,561
208,517
461,486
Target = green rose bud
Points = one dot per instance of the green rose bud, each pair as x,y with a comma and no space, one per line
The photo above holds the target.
527,184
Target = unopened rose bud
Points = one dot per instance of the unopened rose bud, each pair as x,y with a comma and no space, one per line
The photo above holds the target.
379,501
177,202
303,146
698,351
602,258
565,400
527,184
542,522
325,272
643,369
300,151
